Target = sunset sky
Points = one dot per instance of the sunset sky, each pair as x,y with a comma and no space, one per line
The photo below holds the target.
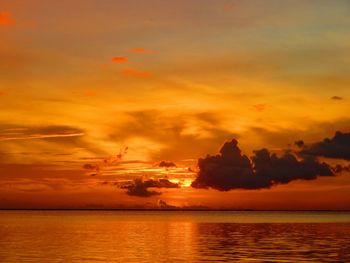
110,104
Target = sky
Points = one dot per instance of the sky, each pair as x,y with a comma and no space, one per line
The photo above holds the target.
127,104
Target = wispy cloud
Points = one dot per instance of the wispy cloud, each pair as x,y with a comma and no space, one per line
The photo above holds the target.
337,98
6,19
40,136
229,6
11,134
120,59
141,50
260,107
131,72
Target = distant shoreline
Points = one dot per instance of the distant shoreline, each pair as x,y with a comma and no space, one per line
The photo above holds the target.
164,209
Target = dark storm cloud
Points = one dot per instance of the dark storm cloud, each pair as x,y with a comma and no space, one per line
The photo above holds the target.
215,171
284,169
140,188
336,147
166,164
232,170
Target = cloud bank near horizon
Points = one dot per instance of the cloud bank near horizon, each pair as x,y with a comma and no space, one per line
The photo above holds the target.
230,169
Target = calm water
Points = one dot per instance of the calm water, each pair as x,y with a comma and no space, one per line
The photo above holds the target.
118,236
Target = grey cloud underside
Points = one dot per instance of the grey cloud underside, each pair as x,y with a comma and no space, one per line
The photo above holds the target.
232,170
167,164
337,98
141,188
336,147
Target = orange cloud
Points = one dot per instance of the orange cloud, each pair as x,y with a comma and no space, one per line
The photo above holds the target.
48,132
130,72
90,93
260,107
40,136
119,59
228,6
2,93
141,50
5,19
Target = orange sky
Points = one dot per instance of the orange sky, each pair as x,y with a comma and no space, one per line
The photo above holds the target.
124,85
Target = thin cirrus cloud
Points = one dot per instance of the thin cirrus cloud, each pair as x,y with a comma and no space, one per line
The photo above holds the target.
120,59
140,50
260,107
27,133
131,72
229,6
6,19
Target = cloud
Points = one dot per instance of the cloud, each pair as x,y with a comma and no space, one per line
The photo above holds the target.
98,168
6,19
164,205
229,6
48,132
284,169
260,107
89,166
131,72
215,171
274,138
337,98
299,143
232,170
140,187
336,147
94,169
90,93
141,50
167,164
204,129
120,59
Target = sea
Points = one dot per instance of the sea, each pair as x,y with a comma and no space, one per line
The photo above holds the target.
174,236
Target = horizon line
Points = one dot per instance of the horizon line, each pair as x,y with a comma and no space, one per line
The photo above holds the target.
174,209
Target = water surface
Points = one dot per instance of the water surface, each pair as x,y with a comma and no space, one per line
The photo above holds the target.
174,236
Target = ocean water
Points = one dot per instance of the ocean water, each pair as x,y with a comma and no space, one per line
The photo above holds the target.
174,236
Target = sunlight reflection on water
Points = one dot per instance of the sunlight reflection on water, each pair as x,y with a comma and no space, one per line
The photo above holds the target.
119,236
